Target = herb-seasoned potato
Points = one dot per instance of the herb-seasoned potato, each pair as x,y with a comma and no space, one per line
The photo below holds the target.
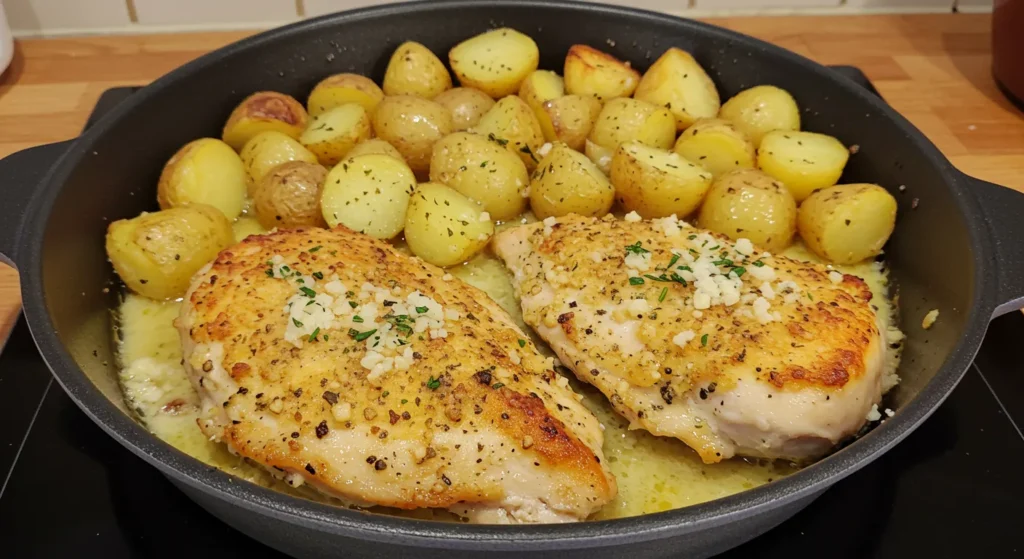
333,133
289,196
246,226
803,161
513,124
342,89
157,253
412,125
261,112
541,86
444,227
628,120
375,145
677,82
761,109
369,194
593,73
414,70
206,171
569,119
267,150
748,204
467,106
567,182
657,183
495,62
482,170
847,223
717,146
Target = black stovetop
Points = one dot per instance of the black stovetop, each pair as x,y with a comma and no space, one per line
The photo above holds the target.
954,488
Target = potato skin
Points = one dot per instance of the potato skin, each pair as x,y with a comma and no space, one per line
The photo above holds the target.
156,254
481,170
657,183
760,110
747,203
415,70
369,194
289,196
847,223
342,89
597,74
261,112
444,227
567,182
333,133
375,145
717,146
267,150
803,161
495,62
677,82
512,123
629,120
205,171
412,125
569,119
466,104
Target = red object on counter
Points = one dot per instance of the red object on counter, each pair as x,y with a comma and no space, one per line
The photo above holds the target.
1008,48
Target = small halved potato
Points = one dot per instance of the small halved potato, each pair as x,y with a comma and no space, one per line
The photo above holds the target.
847,223
467,106
677,82
629,120
261,112
333,133
761,109
205,171
289,196
375,145
567,182
482,170
368,194
444,227
541,86
414,70
246,226
748,204
657,183
803,161
569,119
342,89
593,73
512,123
717,146
267,150
412,125
495,62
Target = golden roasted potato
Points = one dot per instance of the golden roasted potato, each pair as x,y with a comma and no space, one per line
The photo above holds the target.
414,70
541,86
444,227
677,82
206,171
369,194
245,226
569,119
847,223
342,89
261,112
748,204
657,183
717,146
761,109
629,120
289,196
495,62
467,106
333,133
482,170
375,145
267,150
512,123
412,125
593,73
803,161
157,253
567,182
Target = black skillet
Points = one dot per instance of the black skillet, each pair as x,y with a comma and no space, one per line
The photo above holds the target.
957,248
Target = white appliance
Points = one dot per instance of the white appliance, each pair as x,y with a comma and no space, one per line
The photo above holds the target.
6,41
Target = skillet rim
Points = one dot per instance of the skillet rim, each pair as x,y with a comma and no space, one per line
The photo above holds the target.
388,529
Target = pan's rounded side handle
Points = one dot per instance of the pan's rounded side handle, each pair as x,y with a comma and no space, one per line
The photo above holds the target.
1003,212
21,175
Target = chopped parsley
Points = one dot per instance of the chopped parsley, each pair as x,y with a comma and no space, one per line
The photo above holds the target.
385,394
522,342
501,141
664,292
685,267
296,322
497,385
307,292
401,323
809,296
636,281
404,401
704,340
316,248
312,337
723,262
671,278
635,248
318,275
361,336
739,271
270,272
422,310
692,237
353,304
326,337
672,262
433,383
357,318
758,263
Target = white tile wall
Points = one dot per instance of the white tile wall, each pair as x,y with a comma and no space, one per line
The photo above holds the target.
756,5
65,15
975,6
234,12
321,7
902,5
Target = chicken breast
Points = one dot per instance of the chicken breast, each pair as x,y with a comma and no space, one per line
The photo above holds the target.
689,335
333,360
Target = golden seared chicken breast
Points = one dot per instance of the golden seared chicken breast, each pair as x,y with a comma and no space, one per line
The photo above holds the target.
690,335
333,360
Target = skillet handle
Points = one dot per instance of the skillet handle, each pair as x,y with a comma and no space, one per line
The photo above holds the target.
1003,211
20,176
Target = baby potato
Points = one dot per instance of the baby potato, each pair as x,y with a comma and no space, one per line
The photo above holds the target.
444,227
289,196
847,223
333,133
414,70
541,86
267,150
482,170
748,204
375,145
717,146
412,125
206,171
569,119
368,194
761,109
629,120
467,106
342,89
495,62
261,112
593,73
677,82
567,182
803,161
513,124
657,183
156,254
246,226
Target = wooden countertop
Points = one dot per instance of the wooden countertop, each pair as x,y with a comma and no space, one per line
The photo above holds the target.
935,69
